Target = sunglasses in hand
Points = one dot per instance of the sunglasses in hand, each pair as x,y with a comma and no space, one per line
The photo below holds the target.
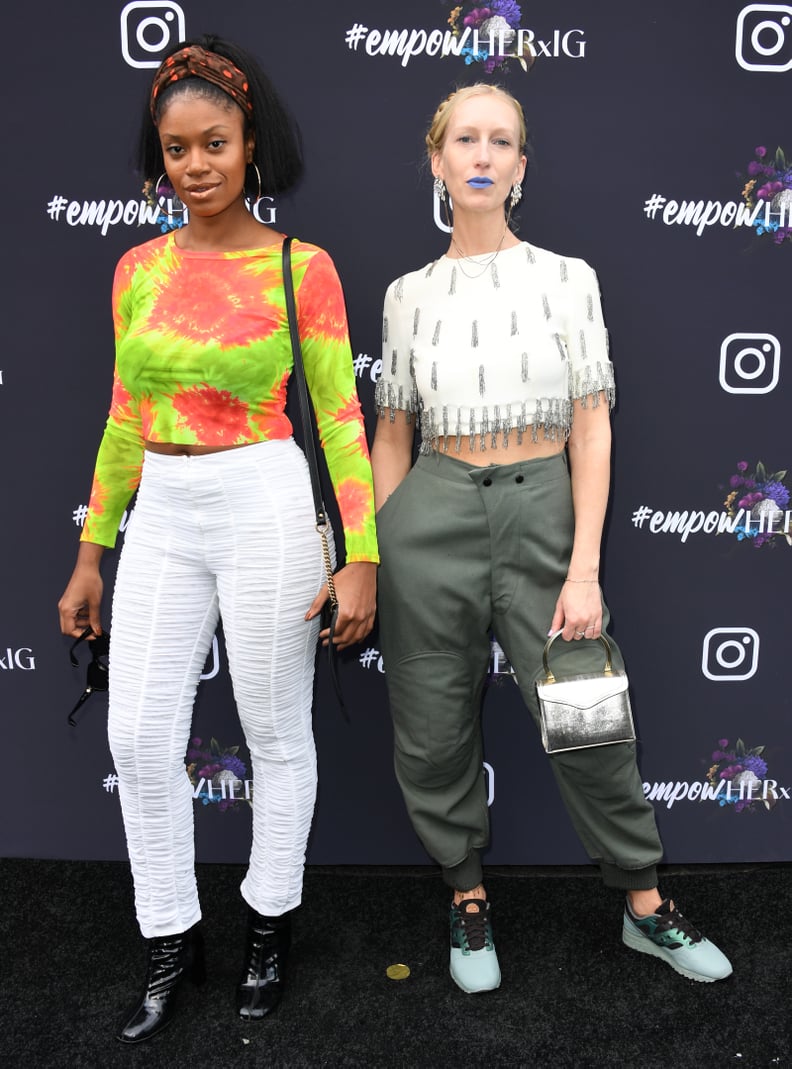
97,676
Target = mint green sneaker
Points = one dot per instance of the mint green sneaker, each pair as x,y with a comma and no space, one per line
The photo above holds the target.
474,963
668,935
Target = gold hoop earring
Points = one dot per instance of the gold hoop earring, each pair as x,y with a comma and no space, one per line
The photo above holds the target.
258,179
175,206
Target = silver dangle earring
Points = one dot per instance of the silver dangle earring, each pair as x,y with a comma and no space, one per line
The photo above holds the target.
174,205
440,189
516,195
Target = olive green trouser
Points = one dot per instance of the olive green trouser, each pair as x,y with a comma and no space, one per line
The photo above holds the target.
467,550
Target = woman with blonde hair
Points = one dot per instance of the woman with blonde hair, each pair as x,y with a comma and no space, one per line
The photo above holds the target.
499,350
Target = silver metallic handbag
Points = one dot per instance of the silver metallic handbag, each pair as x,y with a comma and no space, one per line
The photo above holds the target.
582,711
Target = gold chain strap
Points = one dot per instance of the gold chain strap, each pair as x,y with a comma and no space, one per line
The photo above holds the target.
328,563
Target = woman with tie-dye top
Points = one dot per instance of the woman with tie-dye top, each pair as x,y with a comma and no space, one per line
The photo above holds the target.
224,525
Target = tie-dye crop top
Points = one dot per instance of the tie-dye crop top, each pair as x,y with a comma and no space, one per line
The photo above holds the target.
203,356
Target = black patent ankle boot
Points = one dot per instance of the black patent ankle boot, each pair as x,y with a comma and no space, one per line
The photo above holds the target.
172,959
266,951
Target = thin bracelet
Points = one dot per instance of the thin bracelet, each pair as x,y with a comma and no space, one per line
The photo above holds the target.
568,580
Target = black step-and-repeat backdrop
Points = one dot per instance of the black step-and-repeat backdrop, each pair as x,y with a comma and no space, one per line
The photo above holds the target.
662,154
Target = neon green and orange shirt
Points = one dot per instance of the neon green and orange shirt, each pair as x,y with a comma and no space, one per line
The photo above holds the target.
203,357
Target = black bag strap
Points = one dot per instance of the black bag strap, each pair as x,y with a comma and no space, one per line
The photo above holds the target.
309,445
306,414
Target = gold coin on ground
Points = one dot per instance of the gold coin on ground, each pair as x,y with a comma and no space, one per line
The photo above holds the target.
398,971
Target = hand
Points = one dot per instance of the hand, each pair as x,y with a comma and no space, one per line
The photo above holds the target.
578,612
356,590
79,607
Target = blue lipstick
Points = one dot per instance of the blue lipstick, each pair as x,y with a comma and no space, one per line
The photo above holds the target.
480,182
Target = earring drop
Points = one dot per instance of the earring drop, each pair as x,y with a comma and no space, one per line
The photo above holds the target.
516,194
440,189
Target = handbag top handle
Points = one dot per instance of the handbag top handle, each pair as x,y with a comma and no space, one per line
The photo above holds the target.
550,678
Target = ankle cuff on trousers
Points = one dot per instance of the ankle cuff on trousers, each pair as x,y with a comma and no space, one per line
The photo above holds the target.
629,879
466,875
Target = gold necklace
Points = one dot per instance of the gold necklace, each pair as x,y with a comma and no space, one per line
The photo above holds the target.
483,265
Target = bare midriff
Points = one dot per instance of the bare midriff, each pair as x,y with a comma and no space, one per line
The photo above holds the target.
174,449
498,454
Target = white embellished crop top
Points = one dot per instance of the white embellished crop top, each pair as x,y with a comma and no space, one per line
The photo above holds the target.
494,353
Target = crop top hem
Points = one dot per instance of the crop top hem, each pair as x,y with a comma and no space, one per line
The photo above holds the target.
554,415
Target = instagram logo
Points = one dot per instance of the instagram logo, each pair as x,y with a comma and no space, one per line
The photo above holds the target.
764,38
749,363
730,654
148,28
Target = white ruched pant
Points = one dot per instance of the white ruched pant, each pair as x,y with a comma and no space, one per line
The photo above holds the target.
231,535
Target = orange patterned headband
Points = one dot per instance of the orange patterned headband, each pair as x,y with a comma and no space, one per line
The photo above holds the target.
195,62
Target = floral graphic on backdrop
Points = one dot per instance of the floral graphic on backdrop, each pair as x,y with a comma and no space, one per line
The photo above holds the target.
740,774
173,214
496,23
769,181
763,499
217,774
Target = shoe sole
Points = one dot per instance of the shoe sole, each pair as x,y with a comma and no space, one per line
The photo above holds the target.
475,990
644,945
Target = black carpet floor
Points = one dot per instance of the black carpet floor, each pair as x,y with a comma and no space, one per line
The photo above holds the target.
572,994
